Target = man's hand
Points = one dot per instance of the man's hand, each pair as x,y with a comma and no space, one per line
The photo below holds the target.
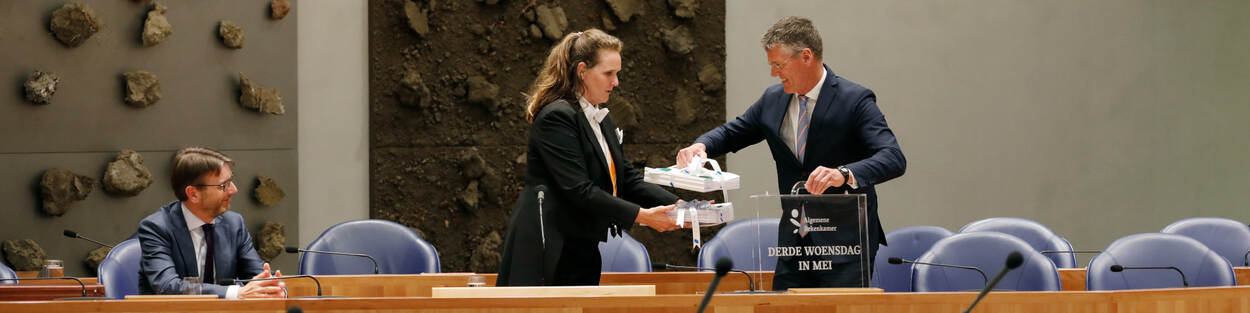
688,153
264,289
657,218
822,178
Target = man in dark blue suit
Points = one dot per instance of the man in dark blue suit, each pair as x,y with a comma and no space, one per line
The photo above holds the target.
178,240
820,128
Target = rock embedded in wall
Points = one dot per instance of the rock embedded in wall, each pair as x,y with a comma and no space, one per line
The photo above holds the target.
40,87
271,240
625,9
711,79
278,9
126,175
156,28
96,256
552,21
483,93
418,18
264,100
684,8
231,34
24,254
412,91
267,191
143,89
485,258
60,189
678,40
74,23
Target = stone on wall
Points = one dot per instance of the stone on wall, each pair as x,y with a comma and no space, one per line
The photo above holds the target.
156,28
267,191
684,8
231,34
74,23
485,258
60,188
40,87
24,255
265,100
418,19
711,79
279,8
272,240
678,40
483,93
552,21
625,9
413,92
126,175
143,89
96,256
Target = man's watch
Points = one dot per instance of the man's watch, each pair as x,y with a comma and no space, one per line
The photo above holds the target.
846,176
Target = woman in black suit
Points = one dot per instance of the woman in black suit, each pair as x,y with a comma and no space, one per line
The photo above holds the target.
578,184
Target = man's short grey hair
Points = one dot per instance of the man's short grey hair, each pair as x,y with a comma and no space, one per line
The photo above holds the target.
794,33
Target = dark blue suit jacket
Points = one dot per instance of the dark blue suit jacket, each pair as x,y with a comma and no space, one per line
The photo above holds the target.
169,255
847,129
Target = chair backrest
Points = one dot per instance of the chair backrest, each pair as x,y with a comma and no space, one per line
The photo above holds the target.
987,251
624,254
1200,265
6,272
1228,238
745,242
398,249
1040,237
119,271
908,243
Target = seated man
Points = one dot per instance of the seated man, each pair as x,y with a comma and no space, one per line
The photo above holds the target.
179,238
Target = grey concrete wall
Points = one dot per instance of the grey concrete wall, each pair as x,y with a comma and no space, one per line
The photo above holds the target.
87,123
333,125
1099,119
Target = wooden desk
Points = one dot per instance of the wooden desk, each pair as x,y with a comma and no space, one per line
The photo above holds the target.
419,285
1216,299
29,292
1073,279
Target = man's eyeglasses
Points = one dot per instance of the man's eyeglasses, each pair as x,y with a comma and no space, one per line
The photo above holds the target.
782,65
223,186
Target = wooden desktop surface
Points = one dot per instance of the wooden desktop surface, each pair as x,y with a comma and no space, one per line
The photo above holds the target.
1212,299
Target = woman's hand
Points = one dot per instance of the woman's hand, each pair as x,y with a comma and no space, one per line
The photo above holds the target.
657,218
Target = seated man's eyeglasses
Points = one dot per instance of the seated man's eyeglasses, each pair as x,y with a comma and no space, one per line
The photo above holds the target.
221,185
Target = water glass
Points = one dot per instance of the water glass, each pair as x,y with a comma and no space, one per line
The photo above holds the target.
52,268
191,285
477,281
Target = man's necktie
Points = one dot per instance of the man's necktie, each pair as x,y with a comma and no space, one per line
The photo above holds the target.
804,119
207,276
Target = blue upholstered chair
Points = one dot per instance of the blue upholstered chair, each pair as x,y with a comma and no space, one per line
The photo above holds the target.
1040,237
6,272
624,254
398,249
1228,238
745,242
987,251
119,271
908,243
1200,265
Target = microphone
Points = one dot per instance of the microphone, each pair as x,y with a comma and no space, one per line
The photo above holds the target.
723,265
290,249
72,234
1014,259
294,309
1070,251
1120,268
663,266
897,260
232,281
80,285
542,232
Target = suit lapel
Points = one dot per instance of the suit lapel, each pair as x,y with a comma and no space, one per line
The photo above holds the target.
779,118
823,113
591,139
182,239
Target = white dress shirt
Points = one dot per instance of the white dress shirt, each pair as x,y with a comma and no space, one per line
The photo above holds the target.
201,249
589,111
